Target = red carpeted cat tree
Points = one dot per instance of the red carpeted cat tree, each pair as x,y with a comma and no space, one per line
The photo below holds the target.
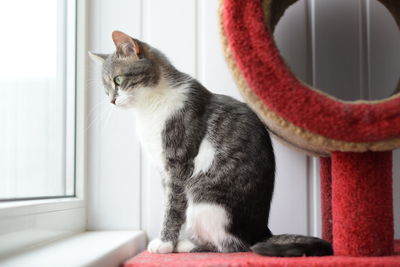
353,139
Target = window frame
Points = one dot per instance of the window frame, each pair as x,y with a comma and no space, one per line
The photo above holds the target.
25,223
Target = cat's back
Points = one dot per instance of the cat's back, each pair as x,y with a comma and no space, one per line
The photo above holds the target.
232,121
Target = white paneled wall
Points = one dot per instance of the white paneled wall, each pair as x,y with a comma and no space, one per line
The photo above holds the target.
115,163
124,188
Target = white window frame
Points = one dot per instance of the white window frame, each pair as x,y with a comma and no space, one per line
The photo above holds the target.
27,223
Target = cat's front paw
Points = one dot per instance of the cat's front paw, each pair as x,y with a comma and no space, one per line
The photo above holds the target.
161,247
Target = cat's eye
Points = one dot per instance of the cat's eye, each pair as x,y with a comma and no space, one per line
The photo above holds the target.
118,80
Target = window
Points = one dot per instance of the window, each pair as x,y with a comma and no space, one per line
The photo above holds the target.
37,99
42,104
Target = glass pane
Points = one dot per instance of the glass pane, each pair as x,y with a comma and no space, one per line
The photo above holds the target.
33,98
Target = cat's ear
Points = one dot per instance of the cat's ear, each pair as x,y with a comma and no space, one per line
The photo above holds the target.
99,58
126,45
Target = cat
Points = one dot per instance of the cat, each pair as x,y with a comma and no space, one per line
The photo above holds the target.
214,154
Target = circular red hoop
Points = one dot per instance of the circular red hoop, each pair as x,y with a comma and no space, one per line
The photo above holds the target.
254,51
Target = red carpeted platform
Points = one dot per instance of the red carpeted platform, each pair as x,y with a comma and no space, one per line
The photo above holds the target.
249,259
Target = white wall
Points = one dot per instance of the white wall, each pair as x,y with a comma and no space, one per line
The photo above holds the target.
125,190
114,162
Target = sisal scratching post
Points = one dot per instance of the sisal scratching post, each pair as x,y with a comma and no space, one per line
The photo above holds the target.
326,198
362,206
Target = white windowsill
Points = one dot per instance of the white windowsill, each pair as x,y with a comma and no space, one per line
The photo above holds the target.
25,224
93,248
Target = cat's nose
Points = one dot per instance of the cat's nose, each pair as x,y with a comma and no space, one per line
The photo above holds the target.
113,101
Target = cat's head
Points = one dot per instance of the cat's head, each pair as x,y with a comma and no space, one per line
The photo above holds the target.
131,71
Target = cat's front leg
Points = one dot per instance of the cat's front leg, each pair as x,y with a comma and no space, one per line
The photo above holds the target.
174,218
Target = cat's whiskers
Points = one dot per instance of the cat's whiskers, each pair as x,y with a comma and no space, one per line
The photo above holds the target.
95,107
99,117
110,111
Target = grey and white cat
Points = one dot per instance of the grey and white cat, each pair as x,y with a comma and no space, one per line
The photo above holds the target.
214,154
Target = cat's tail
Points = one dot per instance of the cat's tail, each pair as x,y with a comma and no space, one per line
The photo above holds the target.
293,246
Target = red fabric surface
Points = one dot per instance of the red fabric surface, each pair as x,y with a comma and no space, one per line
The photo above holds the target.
249,259
326,198
362,205
259,61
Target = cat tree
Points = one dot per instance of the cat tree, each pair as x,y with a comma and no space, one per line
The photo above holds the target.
354,139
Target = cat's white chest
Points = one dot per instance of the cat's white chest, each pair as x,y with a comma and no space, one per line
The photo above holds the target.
157,107
149,131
